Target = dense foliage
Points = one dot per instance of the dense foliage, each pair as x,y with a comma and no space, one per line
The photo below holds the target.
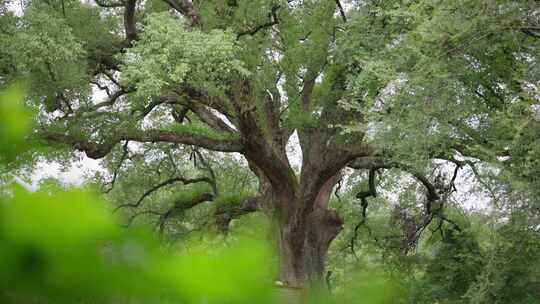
387,149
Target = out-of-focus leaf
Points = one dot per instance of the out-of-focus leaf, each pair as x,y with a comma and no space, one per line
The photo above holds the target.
65,246
15,123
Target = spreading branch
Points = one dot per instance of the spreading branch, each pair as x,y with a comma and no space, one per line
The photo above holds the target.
185,181
181,206
156,101
98,150
180,114
531,31
226,212
373,162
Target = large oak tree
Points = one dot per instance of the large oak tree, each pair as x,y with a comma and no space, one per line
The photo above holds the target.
370,85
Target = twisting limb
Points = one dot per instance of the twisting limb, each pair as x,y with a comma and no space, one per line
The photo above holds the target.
219,104
477,175
338,188
112,79
371,192
130,7
357,227
100,149
273,20
453,223
482,182
170,181
373,162
156,101
433,194
427,221
531,31
163,219
452,186
438,212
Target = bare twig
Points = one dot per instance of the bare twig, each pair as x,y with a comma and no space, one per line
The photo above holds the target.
120,163
341,11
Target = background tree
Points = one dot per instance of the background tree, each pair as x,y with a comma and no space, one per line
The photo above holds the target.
372,85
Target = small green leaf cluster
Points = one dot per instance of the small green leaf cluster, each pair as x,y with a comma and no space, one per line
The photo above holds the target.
45,51
198,128
169,55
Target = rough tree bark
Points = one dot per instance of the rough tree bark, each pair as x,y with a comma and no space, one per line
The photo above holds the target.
304,238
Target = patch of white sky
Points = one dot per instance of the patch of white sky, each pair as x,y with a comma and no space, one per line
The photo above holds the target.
74,172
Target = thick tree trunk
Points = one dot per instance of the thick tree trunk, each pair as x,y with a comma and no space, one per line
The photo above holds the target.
303,245
304,226
305,229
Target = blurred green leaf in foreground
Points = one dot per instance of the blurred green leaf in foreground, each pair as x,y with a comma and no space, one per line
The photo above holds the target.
66,247
15,123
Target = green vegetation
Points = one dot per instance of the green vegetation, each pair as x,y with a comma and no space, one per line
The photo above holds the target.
271,151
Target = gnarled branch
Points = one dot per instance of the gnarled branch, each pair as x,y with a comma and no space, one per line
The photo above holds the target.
373,162
225,213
